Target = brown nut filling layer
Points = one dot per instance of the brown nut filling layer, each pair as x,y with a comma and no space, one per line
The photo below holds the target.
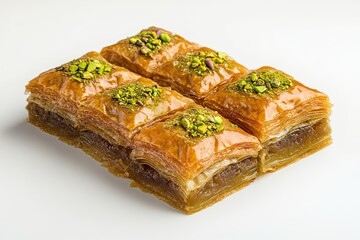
116,159
297,144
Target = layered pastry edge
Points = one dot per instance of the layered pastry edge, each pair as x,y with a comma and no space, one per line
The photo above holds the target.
279,115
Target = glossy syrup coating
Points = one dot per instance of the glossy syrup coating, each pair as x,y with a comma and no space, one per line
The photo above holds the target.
63,89
125,53
189,82
184,157
267,114
107,113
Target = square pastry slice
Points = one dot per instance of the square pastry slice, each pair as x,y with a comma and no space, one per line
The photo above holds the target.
112,118
196,72
56,95
147,50
290,119
193,159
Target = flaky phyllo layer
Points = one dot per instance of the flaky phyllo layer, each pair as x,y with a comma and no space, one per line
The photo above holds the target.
188,154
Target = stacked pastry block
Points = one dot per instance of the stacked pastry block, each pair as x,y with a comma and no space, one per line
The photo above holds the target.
187,123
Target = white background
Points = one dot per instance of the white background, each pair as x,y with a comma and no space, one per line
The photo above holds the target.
49,190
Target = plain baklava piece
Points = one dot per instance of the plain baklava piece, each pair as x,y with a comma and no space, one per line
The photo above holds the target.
56,95
111,119
290,119
147,50
193,159
196,72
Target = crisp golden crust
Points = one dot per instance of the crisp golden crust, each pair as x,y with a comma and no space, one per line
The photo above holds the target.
126,55
55,90
267,115
191,84
183,158
118,124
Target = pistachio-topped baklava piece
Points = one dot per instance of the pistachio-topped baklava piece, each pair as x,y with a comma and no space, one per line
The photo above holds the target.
57,94
290,119
147,50
112,118
193,159
196,72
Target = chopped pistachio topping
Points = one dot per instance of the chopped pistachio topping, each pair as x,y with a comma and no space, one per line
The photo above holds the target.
136,94
199,122
84,70
263,82
150,42
201,62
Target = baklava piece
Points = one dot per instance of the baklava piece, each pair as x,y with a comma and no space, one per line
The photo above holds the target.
196,72
147,50
56,95
111,119
194,159
290,120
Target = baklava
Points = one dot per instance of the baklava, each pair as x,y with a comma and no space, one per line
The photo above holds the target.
290,120
193,159
154,132
57,94
196,72
111,119
147,50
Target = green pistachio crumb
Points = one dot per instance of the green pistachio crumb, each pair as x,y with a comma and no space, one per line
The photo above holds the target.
222,55
165,38
82,64
218,119
156,42
145,50
73,68
196,60
260,89
84,70
78,79
107,68
133,40
153,40
198,122
87,75
185,122
254,77
264,82
195,64
200,118
275,82
201,62
150,46
91,67
136,94
202,129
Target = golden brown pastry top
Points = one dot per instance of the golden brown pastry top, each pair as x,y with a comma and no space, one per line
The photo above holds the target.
189,82
266,114
128,55
105,112
180,157
60,88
